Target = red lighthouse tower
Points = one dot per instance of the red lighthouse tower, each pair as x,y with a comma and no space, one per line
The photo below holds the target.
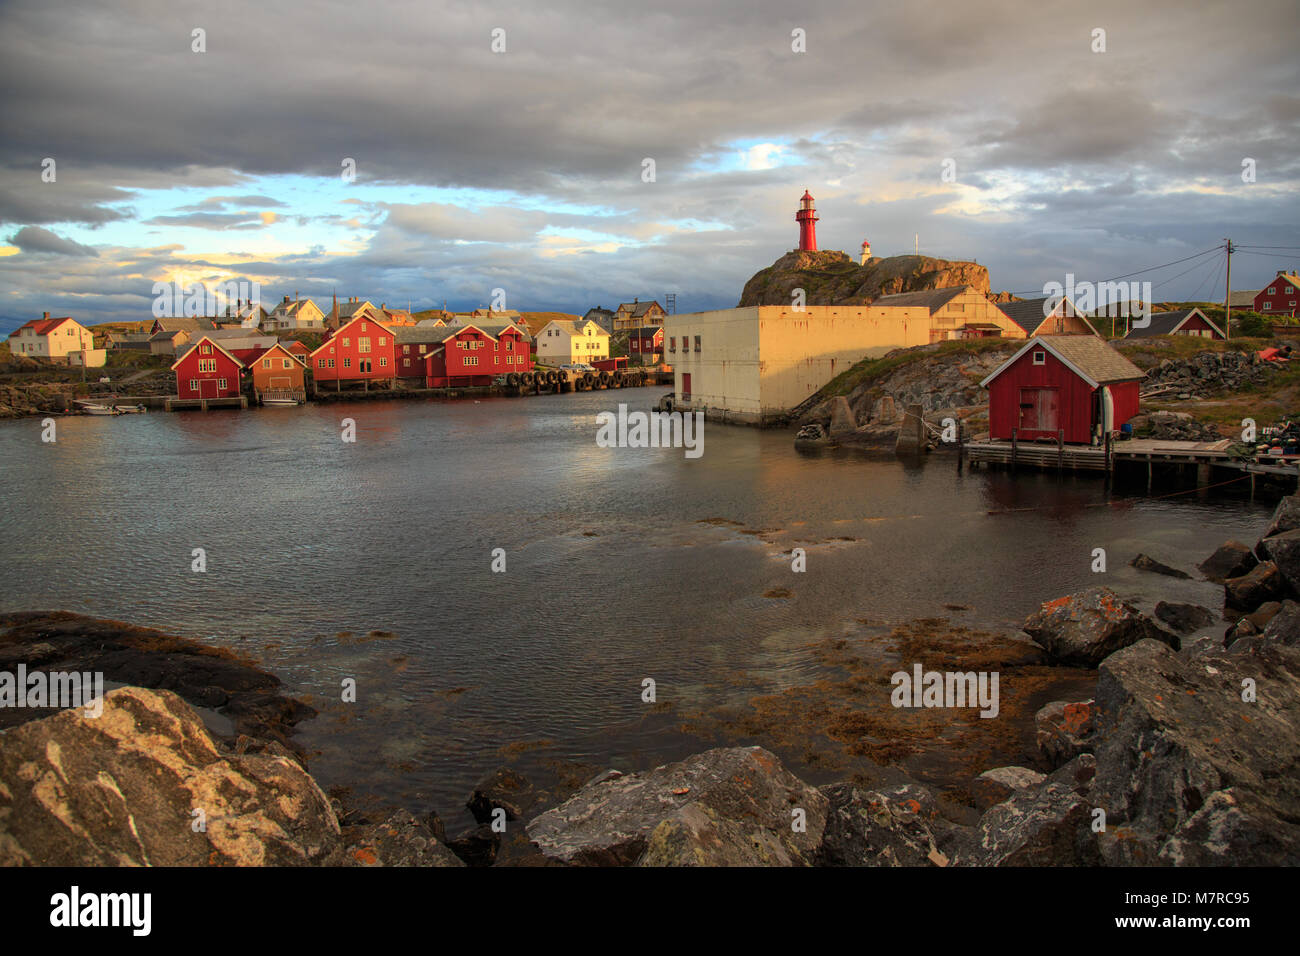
807,219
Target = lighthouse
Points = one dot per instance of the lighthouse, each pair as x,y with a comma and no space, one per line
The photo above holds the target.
866,251
807,219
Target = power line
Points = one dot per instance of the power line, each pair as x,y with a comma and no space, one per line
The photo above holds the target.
1141,271
1292,248
1181,274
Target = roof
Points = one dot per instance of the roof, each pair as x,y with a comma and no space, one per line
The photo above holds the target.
1243,300
1288,276
637,309
257,354
166,336
1167,323
1088,356
421,335
646,331
495,329
202,338
572,326
292,308
1029,314
932,299
41,326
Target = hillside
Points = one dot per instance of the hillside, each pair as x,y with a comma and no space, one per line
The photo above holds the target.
830,277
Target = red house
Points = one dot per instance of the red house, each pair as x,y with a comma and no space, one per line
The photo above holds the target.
1072,383
207,371
359,351
468,356
1279,297
646,343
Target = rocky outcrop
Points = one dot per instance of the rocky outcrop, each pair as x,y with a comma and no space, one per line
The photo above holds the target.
1207,373
1001,783
830,277
730,806
1183,618
144,784
208,677
1045,825
1082,629
1198,760
400,840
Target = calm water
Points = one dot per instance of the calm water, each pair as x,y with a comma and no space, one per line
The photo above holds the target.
615,569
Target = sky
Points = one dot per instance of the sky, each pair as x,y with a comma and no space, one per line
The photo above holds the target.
510,146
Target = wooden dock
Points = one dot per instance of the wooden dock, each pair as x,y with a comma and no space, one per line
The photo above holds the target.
1129,456
204,404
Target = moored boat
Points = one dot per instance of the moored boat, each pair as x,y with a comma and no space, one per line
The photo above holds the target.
130,409
96,408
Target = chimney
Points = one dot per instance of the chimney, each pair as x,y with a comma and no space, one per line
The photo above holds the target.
47,315
286,298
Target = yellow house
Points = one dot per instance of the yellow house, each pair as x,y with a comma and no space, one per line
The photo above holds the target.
63,340
752,365
955,312
570,341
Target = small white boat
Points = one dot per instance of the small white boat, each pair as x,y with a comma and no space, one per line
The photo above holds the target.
130,409
279,402
95,408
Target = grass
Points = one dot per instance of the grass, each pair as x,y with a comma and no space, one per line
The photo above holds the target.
872,369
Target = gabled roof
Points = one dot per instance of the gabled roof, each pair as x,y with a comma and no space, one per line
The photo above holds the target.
1167,323
291,309
497,329
637,309
256,354
41,326
1088,356
203,338
572,326
932,299
1288,276
422,335
1029,314
645,332
165,336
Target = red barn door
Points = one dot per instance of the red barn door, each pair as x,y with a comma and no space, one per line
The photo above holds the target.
1039,410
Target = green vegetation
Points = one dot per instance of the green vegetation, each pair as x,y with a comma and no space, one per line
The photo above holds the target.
1147,353
872,369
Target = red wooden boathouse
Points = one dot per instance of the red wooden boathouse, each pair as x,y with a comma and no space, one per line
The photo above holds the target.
1072,383
207,371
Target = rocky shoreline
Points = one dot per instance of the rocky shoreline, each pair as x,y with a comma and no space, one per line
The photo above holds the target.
1186,753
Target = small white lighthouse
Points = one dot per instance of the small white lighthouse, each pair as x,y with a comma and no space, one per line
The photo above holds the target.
866,251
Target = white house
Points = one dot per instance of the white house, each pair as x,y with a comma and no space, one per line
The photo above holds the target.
63,340
568,341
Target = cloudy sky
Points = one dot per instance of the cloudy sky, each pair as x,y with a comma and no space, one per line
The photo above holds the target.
525,169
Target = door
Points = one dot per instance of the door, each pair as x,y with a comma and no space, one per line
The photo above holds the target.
1038,410
207,388
686,386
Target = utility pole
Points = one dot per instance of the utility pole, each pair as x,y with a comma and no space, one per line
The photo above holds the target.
1227,295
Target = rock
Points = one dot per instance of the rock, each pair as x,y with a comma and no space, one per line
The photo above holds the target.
1262,583
1145,563
883,827
1065,730
1078,774
1231,560
1284,626
1243,628
842,422
1284,551
1184,618
505,789
401,840
725,804
1080,630
1174,732
1046,825
994,786
1263,614
477,846
122,789
830,277
1286,517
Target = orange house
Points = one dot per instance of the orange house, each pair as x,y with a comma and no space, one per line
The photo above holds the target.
277,371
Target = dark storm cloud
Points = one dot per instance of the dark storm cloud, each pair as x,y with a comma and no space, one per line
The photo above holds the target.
34,239
1076,155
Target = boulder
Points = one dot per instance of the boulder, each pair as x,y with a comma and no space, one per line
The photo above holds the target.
1260,584
1174,732
1147,563
1046,825
131,786
994,786
1263,614
1065,730
1184,618
728,805
1284,626
1080,630
1286,517
891,826
1284,551
477,846
1231,560
505,789
400,840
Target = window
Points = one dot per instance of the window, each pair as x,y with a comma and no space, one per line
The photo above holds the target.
697,343
510,346
285,363
205,349
383,340
672,343
347,363
1267,304
320,363
383,363
363,344
266,363
331,363
406,363
194,385
346,341
1040,358
221,383
1272,289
